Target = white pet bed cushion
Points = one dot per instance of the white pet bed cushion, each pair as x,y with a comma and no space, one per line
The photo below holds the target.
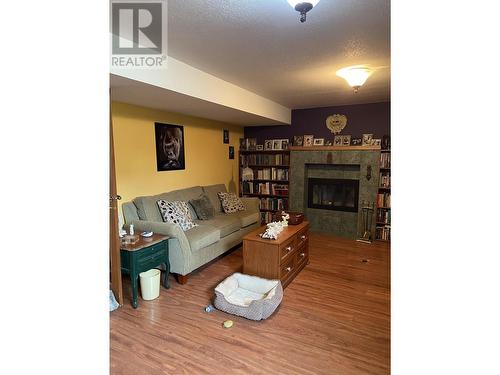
251,297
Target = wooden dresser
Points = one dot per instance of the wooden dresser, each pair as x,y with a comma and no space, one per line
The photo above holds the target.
280,259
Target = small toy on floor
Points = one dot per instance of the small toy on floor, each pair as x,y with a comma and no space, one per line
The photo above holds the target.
228,324
209,308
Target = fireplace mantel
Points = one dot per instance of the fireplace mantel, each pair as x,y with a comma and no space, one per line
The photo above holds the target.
334,148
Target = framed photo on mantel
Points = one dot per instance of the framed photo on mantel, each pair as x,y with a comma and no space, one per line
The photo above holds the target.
356,141
319,141
298,140
308,140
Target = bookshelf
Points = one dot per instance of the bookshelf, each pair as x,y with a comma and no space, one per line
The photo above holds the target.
268,180
383,218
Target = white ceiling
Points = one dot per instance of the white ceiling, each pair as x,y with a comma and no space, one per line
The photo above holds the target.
261,46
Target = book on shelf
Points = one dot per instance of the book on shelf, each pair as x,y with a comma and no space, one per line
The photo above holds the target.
277,174
265,159
385,160
274,204
384,216
383,233
267,217
384,200
385,179
264,188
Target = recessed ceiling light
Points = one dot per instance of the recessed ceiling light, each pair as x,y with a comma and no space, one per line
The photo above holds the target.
303,7
355,76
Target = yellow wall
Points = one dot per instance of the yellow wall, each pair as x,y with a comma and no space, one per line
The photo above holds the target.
207,160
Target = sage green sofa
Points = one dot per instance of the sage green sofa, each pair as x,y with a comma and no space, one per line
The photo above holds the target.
195,247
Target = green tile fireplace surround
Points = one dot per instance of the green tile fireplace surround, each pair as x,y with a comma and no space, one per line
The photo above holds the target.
338,164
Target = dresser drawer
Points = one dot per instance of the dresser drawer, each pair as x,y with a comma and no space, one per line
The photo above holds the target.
302,255
287,250
287,268
302,237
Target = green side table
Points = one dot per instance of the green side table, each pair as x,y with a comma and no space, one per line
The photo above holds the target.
145,254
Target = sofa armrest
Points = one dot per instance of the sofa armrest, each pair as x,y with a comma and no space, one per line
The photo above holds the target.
251,204
167,229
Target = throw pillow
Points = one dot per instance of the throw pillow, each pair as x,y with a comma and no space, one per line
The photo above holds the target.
230,202
176,212
203,208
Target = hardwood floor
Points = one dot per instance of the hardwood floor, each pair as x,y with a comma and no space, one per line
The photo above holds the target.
334,319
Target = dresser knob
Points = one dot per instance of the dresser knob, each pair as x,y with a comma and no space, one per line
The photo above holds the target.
288,249
303,237
288,269
302,255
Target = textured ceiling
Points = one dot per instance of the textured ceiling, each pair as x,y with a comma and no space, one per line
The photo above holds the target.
261,46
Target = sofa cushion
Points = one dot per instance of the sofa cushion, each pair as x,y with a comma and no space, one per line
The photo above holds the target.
248,218
211,192
202,236
129,212
227,224
230,202
147,209
176,212
203,207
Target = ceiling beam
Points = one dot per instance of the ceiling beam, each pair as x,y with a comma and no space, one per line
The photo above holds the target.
184,79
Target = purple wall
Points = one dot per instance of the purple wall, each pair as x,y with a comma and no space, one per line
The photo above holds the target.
361,118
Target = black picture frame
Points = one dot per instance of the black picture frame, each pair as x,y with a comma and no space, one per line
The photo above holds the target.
298,140
231,152
169,140
225,136
356,141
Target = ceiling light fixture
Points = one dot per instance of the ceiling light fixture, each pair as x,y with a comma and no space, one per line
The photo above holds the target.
303,7
355,76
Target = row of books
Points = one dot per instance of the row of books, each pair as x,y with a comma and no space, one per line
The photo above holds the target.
385,179
272,189
385,160
384,216
265,159
273,204
272,174
250,187
383,233
267,217
384,200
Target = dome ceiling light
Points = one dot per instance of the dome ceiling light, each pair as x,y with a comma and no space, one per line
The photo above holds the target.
303,7
355,76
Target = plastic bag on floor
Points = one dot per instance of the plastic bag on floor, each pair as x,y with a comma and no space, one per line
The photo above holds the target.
113,305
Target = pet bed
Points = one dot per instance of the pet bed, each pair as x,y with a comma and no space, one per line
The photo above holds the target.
251,297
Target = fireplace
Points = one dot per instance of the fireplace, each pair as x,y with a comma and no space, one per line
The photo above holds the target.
333,194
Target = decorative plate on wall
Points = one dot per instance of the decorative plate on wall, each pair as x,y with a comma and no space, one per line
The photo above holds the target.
336,123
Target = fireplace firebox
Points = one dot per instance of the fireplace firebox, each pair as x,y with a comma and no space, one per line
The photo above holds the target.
333,194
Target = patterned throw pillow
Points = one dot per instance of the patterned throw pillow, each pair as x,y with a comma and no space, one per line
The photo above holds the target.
230,202
176,212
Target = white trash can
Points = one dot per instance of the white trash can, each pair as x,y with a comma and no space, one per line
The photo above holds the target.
150,284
